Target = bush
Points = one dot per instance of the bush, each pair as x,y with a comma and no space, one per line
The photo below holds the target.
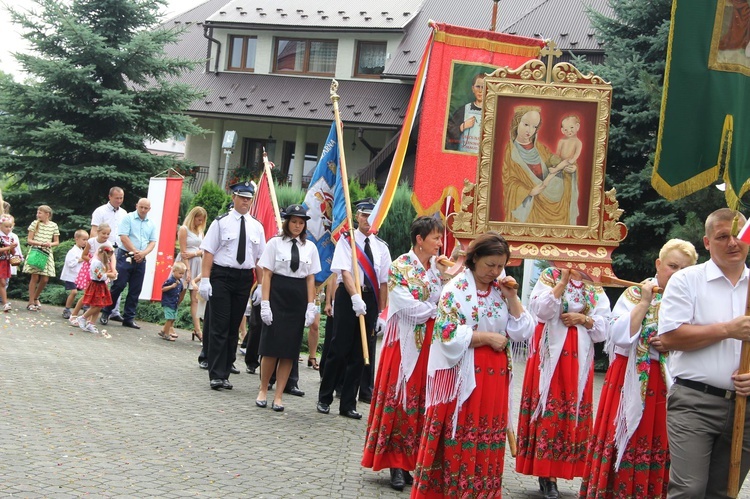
395,228
212,198
286,195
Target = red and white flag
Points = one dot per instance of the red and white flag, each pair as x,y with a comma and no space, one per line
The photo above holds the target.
744,234
164,194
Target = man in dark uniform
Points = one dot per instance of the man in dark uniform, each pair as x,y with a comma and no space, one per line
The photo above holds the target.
232,246
345,354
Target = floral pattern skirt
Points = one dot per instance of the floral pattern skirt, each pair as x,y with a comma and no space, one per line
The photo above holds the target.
393,433
644,470
471,463
97,294
555,444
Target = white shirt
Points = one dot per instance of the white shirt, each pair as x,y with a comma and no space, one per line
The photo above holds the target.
107,214
72,265
342,257
223,236
278,256
702,295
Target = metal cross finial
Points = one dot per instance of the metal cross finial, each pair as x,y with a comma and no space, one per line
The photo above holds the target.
550,51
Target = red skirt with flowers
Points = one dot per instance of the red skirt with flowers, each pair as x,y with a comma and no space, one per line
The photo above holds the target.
97,294
393,433
644,470
4,269
471,463
555,444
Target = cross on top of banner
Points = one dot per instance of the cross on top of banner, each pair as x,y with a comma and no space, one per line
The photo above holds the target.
550,51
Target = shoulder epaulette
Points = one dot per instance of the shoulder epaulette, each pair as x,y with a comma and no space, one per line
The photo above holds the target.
379,239
221,216
249,215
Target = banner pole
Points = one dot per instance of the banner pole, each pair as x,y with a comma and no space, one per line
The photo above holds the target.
345,185
271,189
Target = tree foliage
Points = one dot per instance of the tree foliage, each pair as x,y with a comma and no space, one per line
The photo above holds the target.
635,44
98,84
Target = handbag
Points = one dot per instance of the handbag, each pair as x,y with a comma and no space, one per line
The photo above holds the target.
37,258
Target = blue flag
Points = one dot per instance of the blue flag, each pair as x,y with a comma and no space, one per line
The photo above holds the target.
325,204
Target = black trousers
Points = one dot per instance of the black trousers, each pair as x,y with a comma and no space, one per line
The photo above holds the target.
345,353
326,344
230,292
252,339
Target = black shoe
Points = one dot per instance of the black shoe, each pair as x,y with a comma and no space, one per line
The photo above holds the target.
270,386
226,384
408,479
365,400
542,484
295,391
250,370
323,408
203,365
397,479
277,407
234,370
104,319
352,414
551,492
261,403
217,384
130,324
115,318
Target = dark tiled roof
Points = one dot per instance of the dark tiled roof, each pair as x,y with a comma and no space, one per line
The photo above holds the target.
332,14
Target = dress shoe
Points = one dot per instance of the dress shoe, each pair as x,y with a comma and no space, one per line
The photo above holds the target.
250,370
234,370
551,492
203,365
295,391
116,318
131,324
323,408
104,319
365,400
261,403
226,384
397,479
408,479
217,384
352,414
277,407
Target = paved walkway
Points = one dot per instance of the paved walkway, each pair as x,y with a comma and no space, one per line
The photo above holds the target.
131,415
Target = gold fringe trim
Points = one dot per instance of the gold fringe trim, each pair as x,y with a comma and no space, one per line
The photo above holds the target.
483,43
437,205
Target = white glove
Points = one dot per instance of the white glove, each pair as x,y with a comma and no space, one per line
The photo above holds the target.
265,312
423,312
380,326
257,295
310,314
204,288
358,305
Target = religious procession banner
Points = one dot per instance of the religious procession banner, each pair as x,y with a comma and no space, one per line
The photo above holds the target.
705,115
450,122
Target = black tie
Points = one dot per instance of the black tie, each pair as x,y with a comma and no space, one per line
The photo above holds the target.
241,243
295,256
368,250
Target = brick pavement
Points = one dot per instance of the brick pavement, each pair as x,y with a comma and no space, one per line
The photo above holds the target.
132,416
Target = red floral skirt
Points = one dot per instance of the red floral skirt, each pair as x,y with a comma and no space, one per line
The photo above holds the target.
393,433
4,269
555,444
97,294
471,463
644,470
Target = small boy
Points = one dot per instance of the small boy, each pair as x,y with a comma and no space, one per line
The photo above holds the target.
73,263
170,297
569,148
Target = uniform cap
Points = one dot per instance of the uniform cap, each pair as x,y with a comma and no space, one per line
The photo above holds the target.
295,210
243,189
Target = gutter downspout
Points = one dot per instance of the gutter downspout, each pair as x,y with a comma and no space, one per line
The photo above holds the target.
208,51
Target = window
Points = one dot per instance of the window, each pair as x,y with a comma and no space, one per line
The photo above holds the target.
311,161
242,53
305,56
370,59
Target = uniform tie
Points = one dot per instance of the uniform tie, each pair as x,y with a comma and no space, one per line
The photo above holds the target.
294,265
242,242
368,250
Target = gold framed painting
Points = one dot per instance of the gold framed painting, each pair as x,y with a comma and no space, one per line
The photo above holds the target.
730,40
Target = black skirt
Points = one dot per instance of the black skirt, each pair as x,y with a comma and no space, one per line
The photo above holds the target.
283,338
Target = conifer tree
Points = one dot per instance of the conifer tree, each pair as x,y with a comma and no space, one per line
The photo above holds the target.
97,85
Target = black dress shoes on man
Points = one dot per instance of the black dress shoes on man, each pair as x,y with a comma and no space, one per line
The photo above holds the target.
130,324
203,364
323,408
115,318
104,319
234,370
217,384
225,384
397,479
351,414
295,391
250,370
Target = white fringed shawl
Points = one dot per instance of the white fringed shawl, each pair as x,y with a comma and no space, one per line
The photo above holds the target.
450,369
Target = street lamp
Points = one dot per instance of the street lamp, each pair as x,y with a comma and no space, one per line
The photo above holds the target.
230,140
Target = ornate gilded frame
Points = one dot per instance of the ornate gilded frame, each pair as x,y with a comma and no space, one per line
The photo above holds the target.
587,247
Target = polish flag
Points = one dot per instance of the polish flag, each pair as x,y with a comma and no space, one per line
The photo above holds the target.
744,234
262,207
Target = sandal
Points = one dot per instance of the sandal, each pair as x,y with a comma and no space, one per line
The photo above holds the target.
313,362
165,336
31,307
38,305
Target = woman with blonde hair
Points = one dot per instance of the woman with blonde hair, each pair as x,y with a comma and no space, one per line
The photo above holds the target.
629,452
190,236
45,235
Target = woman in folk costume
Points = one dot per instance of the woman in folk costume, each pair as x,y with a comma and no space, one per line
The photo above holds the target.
397,414
555,417
629,454
462,448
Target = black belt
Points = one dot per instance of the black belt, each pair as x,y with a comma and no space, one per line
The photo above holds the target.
703,387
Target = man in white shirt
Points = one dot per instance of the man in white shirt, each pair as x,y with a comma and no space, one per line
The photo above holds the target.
111,213
702,323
